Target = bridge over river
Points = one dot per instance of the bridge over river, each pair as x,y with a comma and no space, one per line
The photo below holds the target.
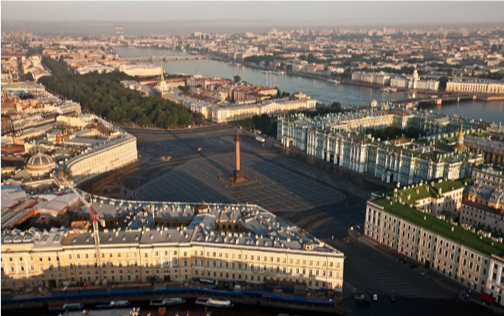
424,99
438,100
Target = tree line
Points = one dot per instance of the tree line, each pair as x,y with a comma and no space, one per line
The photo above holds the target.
104,95
262,123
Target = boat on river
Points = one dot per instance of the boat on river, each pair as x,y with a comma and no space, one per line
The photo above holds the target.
165,301
66,307
114,304
213,302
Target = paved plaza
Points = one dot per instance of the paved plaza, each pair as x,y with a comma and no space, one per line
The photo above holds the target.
277,189
317,196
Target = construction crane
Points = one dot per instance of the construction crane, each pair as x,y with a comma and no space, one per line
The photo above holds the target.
96,231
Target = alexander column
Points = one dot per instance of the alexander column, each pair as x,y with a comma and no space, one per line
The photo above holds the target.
237,173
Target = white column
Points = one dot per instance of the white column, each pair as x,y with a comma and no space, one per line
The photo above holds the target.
26,264
6,267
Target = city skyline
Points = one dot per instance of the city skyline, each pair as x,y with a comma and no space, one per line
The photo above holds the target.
260,156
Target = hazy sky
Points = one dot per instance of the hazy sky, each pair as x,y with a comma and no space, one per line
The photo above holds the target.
341,12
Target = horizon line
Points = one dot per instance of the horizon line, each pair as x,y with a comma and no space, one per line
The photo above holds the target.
268,21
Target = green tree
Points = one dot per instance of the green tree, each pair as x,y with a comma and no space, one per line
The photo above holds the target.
236,78
248,123
347,74
104,95
144,120
336,106
198,118
29,77
264,123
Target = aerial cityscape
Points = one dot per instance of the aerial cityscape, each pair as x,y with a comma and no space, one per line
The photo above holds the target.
252,158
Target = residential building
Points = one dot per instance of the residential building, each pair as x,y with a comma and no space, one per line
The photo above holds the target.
457,251
492,150
488,175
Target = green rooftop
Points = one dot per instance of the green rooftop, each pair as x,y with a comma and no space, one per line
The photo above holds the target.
439,226
425,190
448,185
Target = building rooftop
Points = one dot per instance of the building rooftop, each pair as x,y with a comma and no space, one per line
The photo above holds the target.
405,210
259,228
484,142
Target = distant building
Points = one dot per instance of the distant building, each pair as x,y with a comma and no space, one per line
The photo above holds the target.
224,114
140,70
402,82
476,86
381,79
489,175
492,150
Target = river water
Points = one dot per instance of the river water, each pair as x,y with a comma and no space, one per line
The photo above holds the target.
347,95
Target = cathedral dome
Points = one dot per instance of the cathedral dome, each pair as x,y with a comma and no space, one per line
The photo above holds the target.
40,163
459,147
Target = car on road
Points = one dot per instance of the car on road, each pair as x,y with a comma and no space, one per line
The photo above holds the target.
375,297
392,298
422,272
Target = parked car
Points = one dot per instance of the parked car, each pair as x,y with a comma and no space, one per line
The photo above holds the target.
392,298
375,297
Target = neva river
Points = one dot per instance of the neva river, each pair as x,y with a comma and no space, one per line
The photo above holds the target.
322,91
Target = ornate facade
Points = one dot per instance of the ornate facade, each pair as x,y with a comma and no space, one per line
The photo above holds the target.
217,241
341,139
388,161
104,157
